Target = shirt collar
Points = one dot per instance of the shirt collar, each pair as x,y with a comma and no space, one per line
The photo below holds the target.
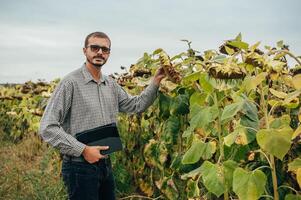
88,76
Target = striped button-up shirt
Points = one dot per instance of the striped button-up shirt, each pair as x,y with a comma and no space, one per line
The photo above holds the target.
79,103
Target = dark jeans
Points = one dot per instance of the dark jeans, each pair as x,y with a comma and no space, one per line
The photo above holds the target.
85,181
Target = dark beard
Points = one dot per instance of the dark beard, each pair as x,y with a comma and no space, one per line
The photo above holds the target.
95,65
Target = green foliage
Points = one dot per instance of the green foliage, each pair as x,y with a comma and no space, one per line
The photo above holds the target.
275,141
198,150
295,164
22,106
212,176
231,110
292,197
234,102
248,185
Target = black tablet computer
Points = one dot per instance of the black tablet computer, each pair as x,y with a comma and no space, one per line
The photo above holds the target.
106,135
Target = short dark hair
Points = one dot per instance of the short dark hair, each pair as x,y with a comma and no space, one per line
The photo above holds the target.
96,34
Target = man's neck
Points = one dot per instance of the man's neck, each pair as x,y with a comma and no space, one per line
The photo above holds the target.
95,71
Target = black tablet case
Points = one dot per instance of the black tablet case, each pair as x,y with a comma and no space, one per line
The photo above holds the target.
102,136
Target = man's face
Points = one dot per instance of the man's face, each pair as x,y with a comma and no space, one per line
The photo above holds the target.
97,51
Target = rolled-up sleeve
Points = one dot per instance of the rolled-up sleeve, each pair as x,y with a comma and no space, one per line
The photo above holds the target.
139,103
51,129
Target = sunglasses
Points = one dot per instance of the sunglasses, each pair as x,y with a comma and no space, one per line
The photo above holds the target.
95,48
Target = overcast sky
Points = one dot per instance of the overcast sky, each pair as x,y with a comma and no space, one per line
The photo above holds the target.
43,39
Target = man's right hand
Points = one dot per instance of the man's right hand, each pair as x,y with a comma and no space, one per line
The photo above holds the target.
92,153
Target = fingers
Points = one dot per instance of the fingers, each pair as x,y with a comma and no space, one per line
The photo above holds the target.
161,70
160,74
102,147
93,154
103,156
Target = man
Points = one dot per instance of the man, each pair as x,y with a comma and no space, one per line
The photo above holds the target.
85,99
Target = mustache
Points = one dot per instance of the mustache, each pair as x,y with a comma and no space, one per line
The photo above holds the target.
99,57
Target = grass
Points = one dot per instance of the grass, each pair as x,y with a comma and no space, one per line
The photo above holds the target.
29,170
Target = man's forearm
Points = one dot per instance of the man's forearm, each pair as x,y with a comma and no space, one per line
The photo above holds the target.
58,138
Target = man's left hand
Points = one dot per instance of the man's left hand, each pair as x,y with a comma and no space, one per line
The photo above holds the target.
159,75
